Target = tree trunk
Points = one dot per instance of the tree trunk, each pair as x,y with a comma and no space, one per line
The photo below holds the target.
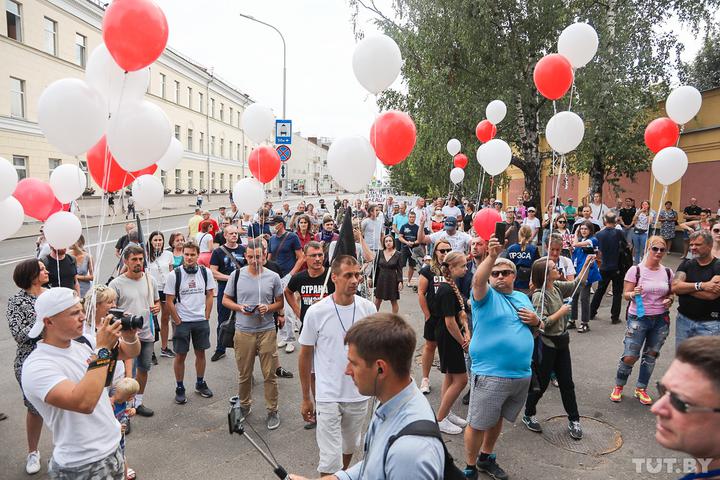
597,175
530,162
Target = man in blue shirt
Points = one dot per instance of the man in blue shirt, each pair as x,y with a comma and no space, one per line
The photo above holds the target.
611,241
380,351
501,351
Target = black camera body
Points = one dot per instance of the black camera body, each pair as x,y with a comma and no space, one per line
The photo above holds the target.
128,322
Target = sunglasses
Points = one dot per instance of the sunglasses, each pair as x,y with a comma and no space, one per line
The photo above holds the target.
502,273
561,221
444,250
658,249
681,405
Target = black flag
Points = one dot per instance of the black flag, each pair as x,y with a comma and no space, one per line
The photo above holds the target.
346,243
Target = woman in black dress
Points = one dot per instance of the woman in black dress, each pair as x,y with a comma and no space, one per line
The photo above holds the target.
388,276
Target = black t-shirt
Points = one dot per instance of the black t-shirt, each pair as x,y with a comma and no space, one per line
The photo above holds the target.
695,308
692,210
434,282
122,243
529,203
446,303
310,289
224,263
627,215
409,233
68,271
219,238
609,241
467,221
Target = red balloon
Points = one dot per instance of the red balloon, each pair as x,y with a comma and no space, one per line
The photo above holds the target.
36,197
660,133
484,222
107,172
264,163
553,76
485,131
135,33
393,137
460,160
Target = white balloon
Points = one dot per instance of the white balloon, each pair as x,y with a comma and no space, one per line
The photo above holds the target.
62,229
457,175
248,195
8,179
669,165
68,182
376,62
72,115
683,104
453,146
496,111
258,122
578,43
564,132
138,135
172,156
112,82
494,156
148,192
12,214
351,161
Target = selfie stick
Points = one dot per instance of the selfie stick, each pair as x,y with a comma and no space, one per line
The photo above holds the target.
237,427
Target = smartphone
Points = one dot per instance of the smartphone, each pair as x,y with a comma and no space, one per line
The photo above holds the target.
588,250
250,308
500,228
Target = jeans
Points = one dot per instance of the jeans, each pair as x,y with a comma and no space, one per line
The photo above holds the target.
583,293
559,361
223,314
638,241
647,333
616,278
688,328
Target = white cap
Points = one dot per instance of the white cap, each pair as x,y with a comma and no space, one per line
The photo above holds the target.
49,303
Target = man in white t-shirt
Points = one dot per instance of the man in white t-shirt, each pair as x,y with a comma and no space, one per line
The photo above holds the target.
452,209
459,241
598,208
65,379
341,410
190,306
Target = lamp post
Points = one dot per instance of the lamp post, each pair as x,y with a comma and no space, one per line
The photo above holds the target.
283,185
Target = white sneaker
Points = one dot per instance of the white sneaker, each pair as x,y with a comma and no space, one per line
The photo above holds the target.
425,386
33,463
290,348
281,343
446,426
457,420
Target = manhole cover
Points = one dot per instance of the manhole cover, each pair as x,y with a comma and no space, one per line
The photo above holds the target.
599,438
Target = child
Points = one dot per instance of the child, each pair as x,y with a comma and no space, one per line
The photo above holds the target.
123,392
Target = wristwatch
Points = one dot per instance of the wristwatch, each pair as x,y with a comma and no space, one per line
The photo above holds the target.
698,287
103,354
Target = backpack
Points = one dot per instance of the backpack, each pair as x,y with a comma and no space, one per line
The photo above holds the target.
428,428
178,279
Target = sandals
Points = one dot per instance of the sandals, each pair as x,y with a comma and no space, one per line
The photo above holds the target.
131,475
583,328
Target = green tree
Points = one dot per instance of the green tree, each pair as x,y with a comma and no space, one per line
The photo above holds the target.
704,71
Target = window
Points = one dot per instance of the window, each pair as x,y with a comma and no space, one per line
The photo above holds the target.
202,180
202,143
178,178
212,107
177,92
239,118
83,166
212,145
50,33
238,153
212,181
20,164
222,111
53,163
201,99
190,98
163,178
190,179
17,97
177,132
222,181
222,148
80,49
230,115
230,149
230,185
162,85
190,139
14,20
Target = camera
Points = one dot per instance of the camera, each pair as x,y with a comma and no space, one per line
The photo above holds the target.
128,322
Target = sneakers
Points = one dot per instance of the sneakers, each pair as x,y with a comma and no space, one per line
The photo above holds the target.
575,430
532,424
282,373
583,328
642,395
466,398
33,463
144,411
281,343
273,420
491,467
203,390
217,356
167,353
555,382
471,474
457,420
310,425
180,397
616,394
154,359
571,325
614,321
446,426
425,386
290,347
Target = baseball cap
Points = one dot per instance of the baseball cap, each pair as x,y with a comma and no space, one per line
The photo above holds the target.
277,219
531,209
49,303
498,202
569,199
450,222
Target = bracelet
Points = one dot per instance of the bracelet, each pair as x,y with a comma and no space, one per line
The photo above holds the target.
697,287
137,339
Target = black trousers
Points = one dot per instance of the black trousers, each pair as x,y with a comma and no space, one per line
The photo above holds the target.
557,360
617,279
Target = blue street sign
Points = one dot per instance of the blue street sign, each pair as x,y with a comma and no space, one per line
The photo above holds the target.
283,152
283,132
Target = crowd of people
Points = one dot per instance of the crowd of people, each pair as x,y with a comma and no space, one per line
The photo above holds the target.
497,311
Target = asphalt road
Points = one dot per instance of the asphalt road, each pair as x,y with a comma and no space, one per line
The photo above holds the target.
192,441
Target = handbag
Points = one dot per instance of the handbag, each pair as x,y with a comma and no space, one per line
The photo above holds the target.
227,332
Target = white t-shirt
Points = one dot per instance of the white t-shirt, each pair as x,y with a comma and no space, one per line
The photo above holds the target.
372,231
191,307
460,242
324,329
534,223
449,211
79,438
161,267
565,266
203,239
599,211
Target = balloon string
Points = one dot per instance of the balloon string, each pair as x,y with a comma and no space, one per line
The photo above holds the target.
572,92
657,217
551,217
481,183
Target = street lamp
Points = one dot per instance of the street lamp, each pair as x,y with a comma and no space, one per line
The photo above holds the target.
250,17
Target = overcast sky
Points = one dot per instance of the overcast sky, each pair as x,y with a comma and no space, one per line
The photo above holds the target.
323,97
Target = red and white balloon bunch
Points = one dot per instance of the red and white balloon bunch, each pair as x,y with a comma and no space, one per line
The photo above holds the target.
662,134
494,154
460,160
351,160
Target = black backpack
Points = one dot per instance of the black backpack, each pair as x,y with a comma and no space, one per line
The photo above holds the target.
178,280
428,428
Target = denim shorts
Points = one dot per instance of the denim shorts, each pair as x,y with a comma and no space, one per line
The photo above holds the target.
198,332
144,359
650,330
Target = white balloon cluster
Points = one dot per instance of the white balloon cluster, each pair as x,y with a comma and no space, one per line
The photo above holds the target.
457,175
148,192
11,211
578,43
248,195
351,161
62,229
494,156
68,182
453,146
564,132
495,111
